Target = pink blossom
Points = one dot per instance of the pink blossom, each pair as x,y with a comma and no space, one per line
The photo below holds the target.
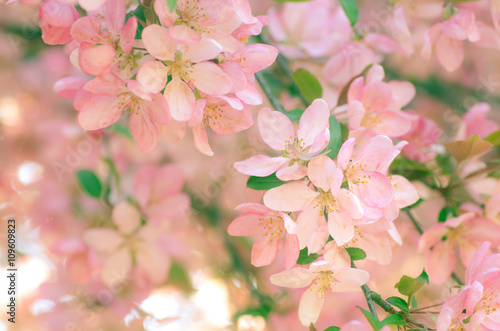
376,105
476,121
467,231
55,19
447,37
104,44
111,96
422,136
158,192
277,131
278,232
130,238
320,276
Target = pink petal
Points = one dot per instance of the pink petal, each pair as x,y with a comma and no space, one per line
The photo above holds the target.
293,196
355,90
355,114
404,92
67,87
321,172
477,262
449,52
275,128
250,95
96,60
126,217
265,250
247,224
294,172
114,14
87,29
441,262
204,50
228,120
144,130
310,306
158,42
291,250
91,5
184,34
201,140
117,268
350,204
377,190
308,222
99,112
260,165
341,227
127,35
430,37
147,261
345,153
210,79
392,124
313,122
294,278
376,96
102,240
256,57
153,76
405,193
180,98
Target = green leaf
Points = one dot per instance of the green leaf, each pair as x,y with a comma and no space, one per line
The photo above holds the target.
295,115
355,253
141,18
408,286
89,182
494,138
410,169
374,322
332,328
446,163
307,84
264,183
423,277
395,319
351,10
306,258
445,213
312,327
413,302
121,129
399,303
336,137
171,4
179,277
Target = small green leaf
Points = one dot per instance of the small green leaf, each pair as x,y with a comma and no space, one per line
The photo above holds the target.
446,163
121,129
399,303
395,319
351,10
374,322
423,277
355,253
264,183
410,169
179,277
306,258
445,213
408,286
171,4
336,137
413,302
295,115
89,182
307,84
332,328
494,138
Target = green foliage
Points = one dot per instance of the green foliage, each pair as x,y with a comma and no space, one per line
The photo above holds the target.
171,4
306,258
294,115
264,308
374,322
410,169
338,134
179,277
264,183
90,183
307,84
446,163
494,138
332,328
356,254
351,10
395,319
399,303
445,213
409,286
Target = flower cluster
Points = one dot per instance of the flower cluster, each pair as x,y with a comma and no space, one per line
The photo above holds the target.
187,65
